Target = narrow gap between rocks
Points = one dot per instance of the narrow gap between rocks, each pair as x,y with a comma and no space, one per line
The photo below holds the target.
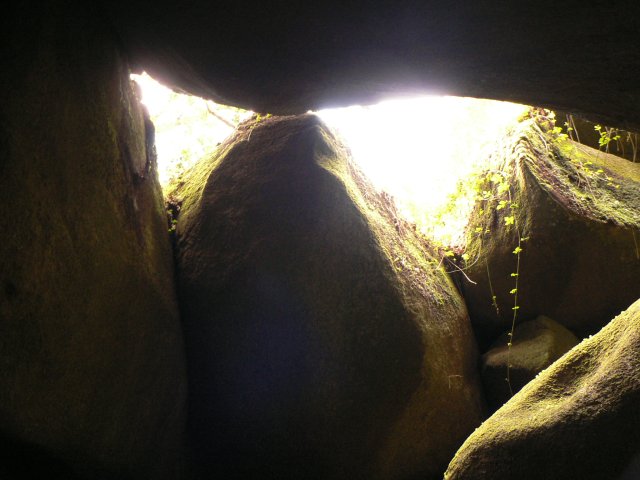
429,154
417,150
520,207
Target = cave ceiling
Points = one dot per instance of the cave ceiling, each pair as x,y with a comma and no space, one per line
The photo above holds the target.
291,56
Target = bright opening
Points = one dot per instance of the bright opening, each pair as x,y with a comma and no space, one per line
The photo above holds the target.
418,150
187,127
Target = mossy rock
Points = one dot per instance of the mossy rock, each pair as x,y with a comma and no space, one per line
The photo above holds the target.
585,131
93,377
576,216
577,419
323,338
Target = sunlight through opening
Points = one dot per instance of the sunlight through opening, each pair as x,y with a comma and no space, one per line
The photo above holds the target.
187,127
417,150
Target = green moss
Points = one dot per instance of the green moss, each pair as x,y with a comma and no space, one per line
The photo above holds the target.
584,181
591,183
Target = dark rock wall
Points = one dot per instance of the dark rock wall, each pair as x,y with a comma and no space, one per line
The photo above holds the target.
91,358
288,56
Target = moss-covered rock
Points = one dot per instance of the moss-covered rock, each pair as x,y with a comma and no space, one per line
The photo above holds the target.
323,339
575,213
577,419
92,369
592,134
535,345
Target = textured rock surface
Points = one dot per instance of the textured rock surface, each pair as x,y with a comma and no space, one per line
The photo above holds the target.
536,344
289,56
578,419
579,211
323,339
92,375
585,132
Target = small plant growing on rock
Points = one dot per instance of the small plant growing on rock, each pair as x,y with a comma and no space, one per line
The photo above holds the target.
172,206
497,198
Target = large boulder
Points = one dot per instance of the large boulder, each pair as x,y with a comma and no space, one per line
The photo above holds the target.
92,376
515,359
577,419
573,213
323,339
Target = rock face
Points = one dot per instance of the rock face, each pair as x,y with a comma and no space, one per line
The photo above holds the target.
334,52
575,213
323,339
92,376
578,419
536,344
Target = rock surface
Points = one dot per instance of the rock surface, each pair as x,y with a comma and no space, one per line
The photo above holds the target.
536,344
585,131
92,375
577,419
289,57
576,212
323,339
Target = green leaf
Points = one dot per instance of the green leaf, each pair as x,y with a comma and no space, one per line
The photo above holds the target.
495,178
517,250
509,220
503,187
513,291
514,274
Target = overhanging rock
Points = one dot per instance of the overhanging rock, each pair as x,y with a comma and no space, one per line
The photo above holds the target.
289,57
